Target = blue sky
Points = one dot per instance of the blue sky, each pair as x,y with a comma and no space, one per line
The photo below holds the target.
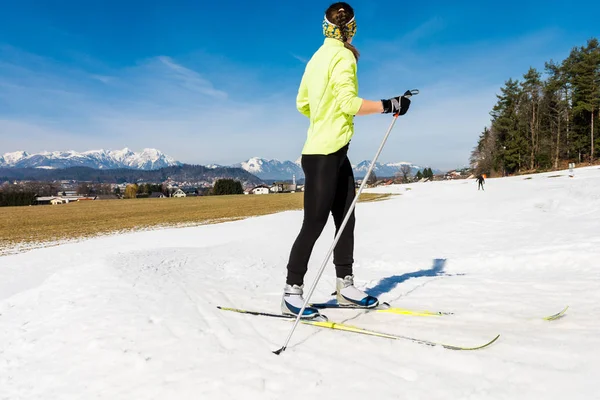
215,82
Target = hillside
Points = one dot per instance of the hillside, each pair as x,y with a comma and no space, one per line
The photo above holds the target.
180,173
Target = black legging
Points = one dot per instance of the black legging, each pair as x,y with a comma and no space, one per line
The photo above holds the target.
329,187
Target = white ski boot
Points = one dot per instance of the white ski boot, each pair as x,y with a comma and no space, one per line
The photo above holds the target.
349,296
292,302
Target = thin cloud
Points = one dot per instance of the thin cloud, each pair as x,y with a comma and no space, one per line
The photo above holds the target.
303,60
191,79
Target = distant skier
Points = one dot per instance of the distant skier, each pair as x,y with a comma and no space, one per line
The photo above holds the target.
328,96
480,182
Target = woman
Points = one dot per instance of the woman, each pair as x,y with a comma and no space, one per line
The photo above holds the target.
328,97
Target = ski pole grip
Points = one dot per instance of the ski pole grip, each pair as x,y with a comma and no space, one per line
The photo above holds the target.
407,94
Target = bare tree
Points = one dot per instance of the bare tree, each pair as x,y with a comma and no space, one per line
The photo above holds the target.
372,178
406,172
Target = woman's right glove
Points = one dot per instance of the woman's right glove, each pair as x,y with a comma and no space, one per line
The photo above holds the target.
397,105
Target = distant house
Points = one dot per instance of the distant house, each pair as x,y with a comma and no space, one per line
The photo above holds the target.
178,193
454,174
190,191
44,199
261,189
54,200
157,195
277,187
283,187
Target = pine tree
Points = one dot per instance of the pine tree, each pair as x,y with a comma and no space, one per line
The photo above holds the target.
556,99
511,147
585,78
227,187
531,90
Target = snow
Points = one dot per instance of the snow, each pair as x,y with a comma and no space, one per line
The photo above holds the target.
254,164
133,316
125,158
14,157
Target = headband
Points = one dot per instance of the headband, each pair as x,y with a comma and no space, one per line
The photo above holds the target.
331,30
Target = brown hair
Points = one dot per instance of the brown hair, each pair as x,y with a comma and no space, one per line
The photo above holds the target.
340,14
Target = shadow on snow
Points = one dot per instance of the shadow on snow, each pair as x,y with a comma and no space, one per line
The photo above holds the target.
388,284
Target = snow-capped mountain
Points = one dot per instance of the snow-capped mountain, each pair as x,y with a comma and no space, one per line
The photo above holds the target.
13,158
150,159
384,170
284,170
271,169
147,159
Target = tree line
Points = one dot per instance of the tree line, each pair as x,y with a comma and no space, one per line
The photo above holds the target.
546,119
427,173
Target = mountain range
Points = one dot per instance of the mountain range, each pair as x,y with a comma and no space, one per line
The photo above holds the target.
152,159
147,159
284,170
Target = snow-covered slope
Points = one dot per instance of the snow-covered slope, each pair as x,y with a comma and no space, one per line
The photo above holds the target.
133,316
102,159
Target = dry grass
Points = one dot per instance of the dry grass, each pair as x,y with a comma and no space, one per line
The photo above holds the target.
44,224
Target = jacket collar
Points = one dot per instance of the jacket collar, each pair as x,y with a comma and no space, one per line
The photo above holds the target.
333,42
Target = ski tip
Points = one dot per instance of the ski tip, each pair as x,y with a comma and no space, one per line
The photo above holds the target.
558,315
281,350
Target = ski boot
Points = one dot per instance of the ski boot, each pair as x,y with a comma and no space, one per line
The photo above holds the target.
349,296
292,302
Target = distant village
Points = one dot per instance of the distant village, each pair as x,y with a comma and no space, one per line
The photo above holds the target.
67,191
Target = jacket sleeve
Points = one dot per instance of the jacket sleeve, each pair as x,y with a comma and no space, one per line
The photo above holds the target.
345,86
302,103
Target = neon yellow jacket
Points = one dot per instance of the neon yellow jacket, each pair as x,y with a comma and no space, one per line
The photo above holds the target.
328,96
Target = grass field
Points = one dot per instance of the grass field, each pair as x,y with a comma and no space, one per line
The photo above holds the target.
37,225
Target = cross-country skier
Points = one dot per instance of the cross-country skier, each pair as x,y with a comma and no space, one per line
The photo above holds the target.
328,96
480,182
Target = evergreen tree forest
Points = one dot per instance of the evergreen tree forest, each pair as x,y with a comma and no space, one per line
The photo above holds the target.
227,186
545,119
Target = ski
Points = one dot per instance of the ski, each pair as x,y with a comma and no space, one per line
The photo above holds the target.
557,315
354,329
387,308
321,317
384,308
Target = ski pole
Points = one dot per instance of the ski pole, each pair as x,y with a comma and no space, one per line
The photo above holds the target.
408,93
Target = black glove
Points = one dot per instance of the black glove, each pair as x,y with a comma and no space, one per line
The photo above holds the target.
397,105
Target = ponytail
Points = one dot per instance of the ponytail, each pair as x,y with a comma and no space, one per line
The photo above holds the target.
341,14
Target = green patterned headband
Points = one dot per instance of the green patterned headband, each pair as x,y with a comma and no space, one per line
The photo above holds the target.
331,30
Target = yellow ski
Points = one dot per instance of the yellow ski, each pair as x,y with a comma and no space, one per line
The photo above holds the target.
354,329
557,315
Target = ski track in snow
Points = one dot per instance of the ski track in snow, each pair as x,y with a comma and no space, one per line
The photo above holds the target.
133,316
